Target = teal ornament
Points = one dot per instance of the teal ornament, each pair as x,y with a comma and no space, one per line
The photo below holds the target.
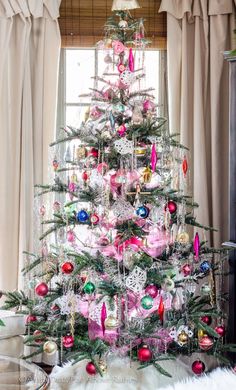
82,216
89,288
205,266
142,212
147,302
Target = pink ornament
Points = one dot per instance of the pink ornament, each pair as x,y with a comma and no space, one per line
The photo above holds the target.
95,113
151,290
187,269
72,187
148,105
56,206
131,60
153,158
138,36
42,210
121,130
70,236
30,318
102,168
220,330
196,246
118,47
41,289
94,218
121,68
68,341
103,317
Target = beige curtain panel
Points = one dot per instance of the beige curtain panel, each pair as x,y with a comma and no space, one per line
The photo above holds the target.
29,47
198,32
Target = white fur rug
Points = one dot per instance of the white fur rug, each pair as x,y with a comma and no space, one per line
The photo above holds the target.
121,376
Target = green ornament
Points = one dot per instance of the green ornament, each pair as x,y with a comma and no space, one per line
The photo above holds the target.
89,288
147,302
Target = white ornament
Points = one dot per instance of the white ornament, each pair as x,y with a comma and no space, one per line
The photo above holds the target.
124,146
68,303
136,280
123,24
127,78
122,209
124,4
96,179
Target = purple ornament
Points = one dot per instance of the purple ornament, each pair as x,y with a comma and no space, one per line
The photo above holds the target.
151,290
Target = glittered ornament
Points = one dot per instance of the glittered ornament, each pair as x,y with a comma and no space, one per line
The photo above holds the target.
94,218
41,289
89,288
147,302
205,266
67,268
91,369
80,152
82,216
183,338
147,175
103,366
171,206
68,341
30,318
50,347
206,319
111,322
186,269
198,367
183,238
144,354
220,330
205,343
206,289
151,290
142,212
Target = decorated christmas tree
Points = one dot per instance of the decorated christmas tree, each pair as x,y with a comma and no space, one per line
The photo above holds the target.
119,271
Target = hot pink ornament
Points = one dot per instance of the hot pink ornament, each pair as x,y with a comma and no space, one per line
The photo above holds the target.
121,68
153,158
68,341
121,130
186,269
151,290
70,236
196,246
103,317
148,105
131,60
72,187
118,47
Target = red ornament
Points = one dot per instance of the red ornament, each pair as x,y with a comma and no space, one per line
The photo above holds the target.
185,166
171,206
68,341
91,369
198,367
205,343
144,354
94,218
187,269
220,330
38,333
206,319
93,152
41,289
151,290
30,318
84,176
67,267
161,309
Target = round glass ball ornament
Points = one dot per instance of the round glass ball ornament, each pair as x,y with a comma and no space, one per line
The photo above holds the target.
142,211
205,343
151,290
171,206
198,367
111,322
168,284
41,289
123,24
91,369
82,216
206,319
30,318
38,333
183,337
94,218
205,266
147,302
186,269
144,354
67,268
50,347
220,330
89,288
68,341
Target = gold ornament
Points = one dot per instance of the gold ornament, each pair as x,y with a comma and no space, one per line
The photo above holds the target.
201,333
111,322
183,337
103,366
140,151
183,238
50,347
81,152
147,175
86,114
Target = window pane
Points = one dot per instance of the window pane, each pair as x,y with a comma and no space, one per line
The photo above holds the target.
80,67
75,115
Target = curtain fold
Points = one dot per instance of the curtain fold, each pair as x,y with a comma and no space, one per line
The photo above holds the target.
198,32
29,47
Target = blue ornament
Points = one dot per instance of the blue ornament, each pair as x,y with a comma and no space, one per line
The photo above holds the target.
82,216
205,266
142,211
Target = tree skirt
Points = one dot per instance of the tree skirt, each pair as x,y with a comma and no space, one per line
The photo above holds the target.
121,376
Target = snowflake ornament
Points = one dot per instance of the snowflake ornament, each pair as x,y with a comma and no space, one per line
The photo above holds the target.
174,333
127,78
122,209
96,179
124,146
136,280
69,303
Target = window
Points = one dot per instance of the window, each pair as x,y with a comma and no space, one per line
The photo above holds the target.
79,66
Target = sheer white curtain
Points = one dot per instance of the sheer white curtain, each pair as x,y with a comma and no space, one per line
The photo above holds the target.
198,32
29,47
